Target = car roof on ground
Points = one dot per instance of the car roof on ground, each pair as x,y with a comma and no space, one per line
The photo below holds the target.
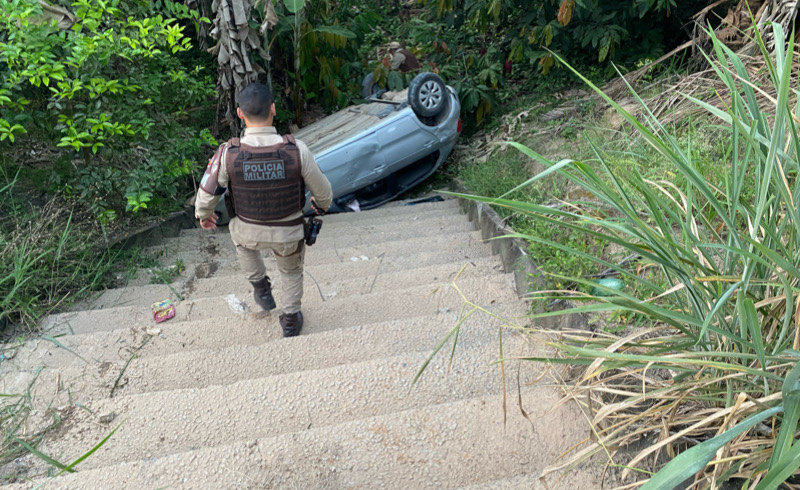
346,123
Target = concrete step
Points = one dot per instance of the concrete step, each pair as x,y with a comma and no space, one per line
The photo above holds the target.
525,482
519,482
356,265
332,279
109,350
373,226
408,200
333,249
341,236
215,398
220,250
449,445
200,265
333,312
386,215
588,476
161,423
401,212
94,363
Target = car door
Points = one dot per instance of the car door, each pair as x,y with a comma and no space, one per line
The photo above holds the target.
405,141
354,164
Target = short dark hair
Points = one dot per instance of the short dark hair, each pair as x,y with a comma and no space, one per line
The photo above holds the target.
255,101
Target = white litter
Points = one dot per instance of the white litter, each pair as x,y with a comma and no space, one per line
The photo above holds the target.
236,305
364,257
353,205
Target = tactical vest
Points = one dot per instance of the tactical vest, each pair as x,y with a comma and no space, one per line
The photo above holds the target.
265,182
410,63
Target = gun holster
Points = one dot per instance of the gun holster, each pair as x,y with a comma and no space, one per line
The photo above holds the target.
229,204
312,227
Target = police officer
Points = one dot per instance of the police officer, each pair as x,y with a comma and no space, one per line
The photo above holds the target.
266,176
402,59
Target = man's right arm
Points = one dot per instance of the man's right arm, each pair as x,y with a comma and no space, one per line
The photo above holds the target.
215,181
205,204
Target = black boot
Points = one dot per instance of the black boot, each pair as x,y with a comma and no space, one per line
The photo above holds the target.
292,323
262,292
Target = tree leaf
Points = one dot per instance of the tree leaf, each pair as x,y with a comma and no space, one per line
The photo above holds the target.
395,81
336,31
603,52
294,6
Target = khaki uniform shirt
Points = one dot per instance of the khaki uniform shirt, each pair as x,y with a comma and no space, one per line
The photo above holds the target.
397,59
242,232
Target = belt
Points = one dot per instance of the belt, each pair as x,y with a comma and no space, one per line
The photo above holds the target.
291,222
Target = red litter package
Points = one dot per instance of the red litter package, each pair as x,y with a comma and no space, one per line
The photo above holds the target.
163,311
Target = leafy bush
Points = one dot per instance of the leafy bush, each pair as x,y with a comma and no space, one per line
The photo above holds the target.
99,89
491,50
479,47
623,31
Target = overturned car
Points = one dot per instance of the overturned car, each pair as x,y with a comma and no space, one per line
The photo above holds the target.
373,152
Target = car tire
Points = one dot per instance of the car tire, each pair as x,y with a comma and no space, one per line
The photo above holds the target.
427,94
369,88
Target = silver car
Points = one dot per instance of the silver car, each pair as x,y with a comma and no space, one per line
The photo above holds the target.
373,152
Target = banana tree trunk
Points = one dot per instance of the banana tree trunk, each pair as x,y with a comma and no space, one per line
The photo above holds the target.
239,52
298,109
296,7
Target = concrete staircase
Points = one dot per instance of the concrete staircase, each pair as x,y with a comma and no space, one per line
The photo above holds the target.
215,398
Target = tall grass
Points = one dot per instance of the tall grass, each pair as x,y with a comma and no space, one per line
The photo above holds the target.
49,260
717,377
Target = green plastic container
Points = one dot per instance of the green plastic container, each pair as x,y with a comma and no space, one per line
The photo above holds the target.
609,283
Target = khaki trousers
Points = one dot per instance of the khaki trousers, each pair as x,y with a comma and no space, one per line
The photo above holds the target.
290,267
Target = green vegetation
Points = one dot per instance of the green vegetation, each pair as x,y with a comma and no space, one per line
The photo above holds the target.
620,150
165,275
491,51
575,28
116,99
105,95
51,258
494,51
723,348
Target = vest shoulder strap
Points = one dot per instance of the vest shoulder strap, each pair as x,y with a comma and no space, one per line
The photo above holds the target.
289,140
232,149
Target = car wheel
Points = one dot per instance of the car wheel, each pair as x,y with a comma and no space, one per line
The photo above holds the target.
369,88
427,95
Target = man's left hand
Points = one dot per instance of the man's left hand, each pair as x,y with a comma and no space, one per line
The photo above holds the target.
209,223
